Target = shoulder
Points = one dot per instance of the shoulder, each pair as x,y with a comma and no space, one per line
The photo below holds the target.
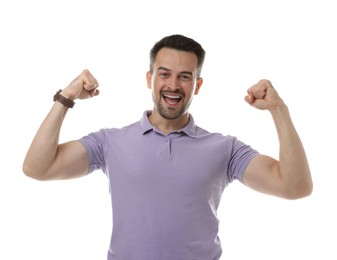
230,143
201,133
104,134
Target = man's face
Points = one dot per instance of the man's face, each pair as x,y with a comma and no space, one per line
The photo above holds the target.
173,82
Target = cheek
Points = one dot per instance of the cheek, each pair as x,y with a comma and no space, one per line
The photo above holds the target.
155,90
191,90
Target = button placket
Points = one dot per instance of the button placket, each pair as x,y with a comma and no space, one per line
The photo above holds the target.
165,150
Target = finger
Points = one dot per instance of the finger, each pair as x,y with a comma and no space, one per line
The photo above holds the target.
89,81
94,92
258,90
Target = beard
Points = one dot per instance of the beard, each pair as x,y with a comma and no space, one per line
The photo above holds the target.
170,113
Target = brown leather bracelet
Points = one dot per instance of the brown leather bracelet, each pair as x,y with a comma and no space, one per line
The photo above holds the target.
64,101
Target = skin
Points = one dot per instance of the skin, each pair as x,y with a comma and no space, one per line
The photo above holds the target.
174,75
173,83
289,177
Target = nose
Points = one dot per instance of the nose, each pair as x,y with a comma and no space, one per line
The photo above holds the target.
173,84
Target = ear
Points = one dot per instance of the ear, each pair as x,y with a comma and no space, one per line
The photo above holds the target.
198,86
149,79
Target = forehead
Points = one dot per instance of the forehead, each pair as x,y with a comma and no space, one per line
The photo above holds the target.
176,59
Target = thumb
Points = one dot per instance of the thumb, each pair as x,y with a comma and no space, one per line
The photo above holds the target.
249,98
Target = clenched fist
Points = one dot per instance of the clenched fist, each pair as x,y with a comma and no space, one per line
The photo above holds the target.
83,86
263,96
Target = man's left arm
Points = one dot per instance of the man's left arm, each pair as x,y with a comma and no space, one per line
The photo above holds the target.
289,177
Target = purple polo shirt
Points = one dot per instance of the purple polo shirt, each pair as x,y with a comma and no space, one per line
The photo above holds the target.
165,189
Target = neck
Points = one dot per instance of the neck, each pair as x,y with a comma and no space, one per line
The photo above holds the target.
168,125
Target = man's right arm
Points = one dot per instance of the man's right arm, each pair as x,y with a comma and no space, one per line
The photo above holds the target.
46,159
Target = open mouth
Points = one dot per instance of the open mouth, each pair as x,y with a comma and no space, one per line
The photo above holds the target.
172,99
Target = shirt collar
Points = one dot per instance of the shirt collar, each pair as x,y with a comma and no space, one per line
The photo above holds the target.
190,129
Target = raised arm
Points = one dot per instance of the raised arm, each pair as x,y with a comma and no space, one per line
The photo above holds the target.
288,177
46,159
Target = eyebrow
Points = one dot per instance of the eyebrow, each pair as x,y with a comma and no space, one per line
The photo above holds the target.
181,72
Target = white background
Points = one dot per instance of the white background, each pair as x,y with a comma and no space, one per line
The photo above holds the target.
45,44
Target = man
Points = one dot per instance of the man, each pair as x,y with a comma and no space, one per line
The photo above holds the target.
166,174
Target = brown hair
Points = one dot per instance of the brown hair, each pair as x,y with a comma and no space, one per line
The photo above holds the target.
178,42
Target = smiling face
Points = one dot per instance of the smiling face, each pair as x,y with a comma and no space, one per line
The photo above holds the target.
173,82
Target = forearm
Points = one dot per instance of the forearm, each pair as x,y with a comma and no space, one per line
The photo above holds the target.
43,148
293,165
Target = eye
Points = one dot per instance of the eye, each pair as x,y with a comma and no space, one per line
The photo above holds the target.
185,77
164,74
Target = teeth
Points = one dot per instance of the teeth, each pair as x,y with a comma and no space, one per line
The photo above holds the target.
177,97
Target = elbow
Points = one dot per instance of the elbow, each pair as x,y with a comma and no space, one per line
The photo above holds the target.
32,173
299,192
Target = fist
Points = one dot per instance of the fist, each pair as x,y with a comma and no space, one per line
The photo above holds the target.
83,86
263,96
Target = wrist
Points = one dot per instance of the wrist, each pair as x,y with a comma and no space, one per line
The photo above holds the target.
63,99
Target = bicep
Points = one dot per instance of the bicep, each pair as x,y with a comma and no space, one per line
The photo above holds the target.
262,174
71,161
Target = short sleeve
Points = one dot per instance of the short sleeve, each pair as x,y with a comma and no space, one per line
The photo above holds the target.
95,145
241,155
